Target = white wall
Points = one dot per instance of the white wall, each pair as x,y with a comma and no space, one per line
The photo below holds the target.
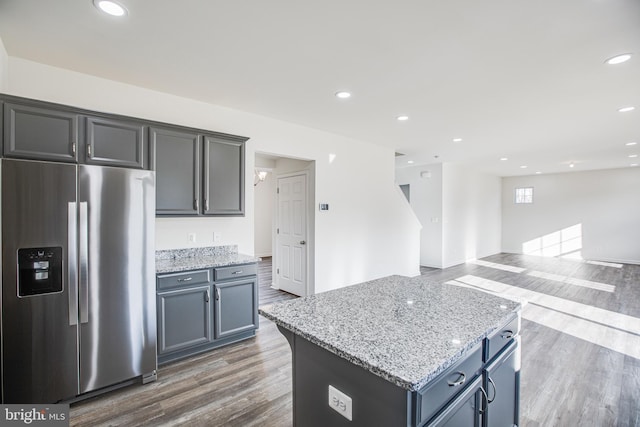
605,204
264,196
471,215
368,233
4,68
460,212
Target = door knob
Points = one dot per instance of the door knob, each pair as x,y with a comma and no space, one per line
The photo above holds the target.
302,242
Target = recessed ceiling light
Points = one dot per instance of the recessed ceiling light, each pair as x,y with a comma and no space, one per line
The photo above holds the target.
457,139
523,167
402,118
633,165
629,144
571,165
538,172
626,109
504,159
633,156
343,95
410,162
619,59
111,7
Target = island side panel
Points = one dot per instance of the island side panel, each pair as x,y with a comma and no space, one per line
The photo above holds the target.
375,401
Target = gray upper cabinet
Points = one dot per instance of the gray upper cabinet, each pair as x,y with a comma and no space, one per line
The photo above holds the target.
223,191
34,132
115,143
176,160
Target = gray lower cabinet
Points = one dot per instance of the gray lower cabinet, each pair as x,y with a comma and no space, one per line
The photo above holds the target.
176,160
38,132
204,309
463,411
501,382
116,143
236,307
184,318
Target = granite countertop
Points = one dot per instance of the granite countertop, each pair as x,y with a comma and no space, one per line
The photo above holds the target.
176,260
405,330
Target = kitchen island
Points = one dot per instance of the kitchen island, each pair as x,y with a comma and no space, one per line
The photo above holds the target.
402,351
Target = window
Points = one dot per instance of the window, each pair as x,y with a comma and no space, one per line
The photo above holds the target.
524,195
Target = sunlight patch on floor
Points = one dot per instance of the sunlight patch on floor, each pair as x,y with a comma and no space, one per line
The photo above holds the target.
573,281
618,332
497,266
606,264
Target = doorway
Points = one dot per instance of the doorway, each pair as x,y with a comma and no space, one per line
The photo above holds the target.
284,220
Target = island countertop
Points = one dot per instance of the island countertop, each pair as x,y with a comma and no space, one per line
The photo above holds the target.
405,330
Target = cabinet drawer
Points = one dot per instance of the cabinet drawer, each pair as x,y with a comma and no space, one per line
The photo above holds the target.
183,279
499,339
235,271
444,388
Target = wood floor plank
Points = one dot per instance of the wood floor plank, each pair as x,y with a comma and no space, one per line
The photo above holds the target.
565,381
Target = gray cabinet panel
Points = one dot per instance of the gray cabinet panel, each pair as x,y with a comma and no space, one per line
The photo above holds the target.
184,318
502,385
464,410
235,307
184,279
115,143
39,133
223,176
176,160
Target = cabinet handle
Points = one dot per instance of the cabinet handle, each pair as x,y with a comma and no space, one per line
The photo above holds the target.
495,391
461,379
73,148
237,272
195,204
483,405
217,294
507,335
206,296
88,150
206,204
186,279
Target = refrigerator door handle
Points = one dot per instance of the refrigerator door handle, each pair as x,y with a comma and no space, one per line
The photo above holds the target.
72,262
84,263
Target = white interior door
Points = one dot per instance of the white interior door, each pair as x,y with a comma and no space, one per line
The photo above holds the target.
291,234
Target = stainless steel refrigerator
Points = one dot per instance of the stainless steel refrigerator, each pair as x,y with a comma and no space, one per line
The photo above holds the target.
78,279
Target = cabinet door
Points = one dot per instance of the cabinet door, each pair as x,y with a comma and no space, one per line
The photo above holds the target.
176,160
223,176
184,318
464,410
236,308
502,384
115,143
40,133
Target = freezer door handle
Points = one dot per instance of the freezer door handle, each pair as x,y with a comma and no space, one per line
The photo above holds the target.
84,263
72,262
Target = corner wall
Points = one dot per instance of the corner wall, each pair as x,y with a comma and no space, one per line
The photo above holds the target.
595,212
368,232
460,211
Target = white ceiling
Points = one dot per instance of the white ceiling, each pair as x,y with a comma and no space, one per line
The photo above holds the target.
520,79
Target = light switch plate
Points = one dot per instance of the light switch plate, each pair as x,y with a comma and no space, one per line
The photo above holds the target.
341,403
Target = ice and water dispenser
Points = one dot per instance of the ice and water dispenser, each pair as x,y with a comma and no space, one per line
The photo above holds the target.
39,271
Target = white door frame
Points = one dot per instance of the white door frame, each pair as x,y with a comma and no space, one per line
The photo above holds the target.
310,238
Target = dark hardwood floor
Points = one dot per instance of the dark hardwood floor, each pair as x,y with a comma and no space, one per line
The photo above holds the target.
580,355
